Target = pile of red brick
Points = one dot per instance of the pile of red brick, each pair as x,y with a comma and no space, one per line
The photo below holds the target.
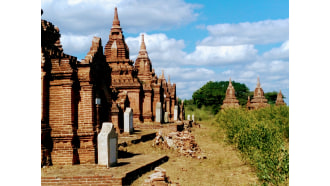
159,178
183,142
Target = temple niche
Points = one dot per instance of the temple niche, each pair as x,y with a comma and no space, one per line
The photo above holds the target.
258,100
230,100
279,99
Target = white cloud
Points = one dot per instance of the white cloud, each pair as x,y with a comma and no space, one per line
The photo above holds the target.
217,55
262,32
278,53
162,51
76,43
189,74
86,16
278,66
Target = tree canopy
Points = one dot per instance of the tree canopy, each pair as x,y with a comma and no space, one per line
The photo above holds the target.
213,94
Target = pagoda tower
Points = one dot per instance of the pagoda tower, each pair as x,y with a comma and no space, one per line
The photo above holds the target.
145,75
143,63
279,99
230,100
116,48
258,100
123,73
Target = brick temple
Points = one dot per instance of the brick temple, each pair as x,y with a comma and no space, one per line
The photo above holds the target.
78,96
230,100
258,100
279,99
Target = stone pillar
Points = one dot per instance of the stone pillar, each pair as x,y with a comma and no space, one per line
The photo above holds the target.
156,99
188,117
107,143
128,121
166,117
173,103
159,113
176,113
193,118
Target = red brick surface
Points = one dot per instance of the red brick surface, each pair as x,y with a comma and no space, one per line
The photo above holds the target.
70,119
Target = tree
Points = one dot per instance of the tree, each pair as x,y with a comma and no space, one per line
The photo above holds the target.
272,96
213,93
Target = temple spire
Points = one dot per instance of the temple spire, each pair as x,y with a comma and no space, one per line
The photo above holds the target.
143,50
115,23
230,85
143,45
169,80
258,83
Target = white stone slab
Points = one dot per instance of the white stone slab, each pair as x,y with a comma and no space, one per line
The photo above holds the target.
159,113
176,113
188,117
166,120
107,141
128,120
193,118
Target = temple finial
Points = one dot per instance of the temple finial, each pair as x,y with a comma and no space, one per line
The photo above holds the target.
258,83
163,74
116,22
230,82
169,80
143,45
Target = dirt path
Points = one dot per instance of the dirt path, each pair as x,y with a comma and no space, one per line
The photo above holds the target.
223,165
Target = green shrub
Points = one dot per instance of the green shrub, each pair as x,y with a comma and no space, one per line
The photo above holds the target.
261,135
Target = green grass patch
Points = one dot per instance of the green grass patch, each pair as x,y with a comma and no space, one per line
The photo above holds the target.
201,114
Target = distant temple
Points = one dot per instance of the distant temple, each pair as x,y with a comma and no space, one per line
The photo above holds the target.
230,100
279,99
78,96
258,100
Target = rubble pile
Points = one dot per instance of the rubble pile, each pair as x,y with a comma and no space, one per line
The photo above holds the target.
183,142
159,178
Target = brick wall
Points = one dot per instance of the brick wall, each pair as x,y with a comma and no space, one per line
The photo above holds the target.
134,99
147,107
81,180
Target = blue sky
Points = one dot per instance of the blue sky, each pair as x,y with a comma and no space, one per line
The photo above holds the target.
194,41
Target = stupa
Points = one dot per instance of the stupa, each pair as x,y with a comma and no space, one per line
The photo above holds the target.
230,100
258,100
279,99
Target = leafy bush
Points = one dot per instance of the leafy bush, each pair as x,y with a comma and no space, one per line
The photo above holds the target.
262,136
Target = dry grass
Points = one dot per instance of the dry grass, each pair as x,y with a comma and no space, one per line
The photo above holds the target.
223,165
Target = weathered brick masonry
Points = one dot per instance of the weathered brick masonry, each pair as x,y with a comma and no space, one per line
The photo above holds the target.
78,96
